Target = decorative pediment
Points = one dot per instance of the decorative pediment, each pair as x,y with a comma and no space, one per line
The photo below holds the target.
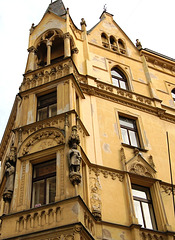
139,165
42,139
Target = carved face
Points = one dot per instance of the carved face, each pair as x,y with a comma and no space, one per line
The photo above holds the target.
8,164
74,146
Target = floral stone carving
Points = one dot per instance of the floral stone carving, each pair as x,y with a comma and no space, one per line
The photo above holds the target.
95,199
42,139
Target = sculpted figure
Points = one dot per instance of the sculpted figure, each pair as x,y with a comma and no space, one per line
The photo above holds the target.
10,173
74,158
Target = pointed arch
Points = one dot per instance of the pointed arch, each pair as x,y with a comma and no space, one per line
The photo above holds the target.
119,78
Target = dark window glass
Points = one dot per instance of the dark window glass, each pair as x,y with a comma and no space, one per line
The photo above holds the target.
47,106
104,40
129,131
143,207
119,79
173,94
44,183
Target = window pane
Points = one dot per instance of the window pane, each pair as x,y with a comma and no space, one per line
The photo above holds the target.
125,135
173,95
44,169
133,138
116,74
123,85
127,122
115,82
147,215
42,114
38,193
47,99
51,189
138,212
53,110
139,193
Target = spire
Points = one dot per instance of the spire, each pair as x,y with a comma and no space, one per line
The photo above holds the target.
57,7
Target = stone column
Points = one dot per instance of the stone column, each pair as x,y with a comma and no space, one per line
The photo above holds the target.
49,44
67,48
31,59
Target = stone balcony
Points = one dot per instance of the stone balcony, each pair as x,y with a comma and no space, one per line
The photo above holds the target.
146,234
44,218
50,73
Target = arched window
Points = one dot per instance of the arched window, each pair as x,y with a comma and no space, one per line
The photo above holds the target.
119,79
113,43
57,49
173,94
104,39
121,46
42,54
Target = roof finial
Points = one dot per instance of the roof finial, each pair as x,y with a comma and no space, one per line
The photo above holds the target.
105,8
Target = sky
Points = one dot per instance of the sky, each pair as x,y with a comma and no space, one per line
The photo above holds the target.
151,21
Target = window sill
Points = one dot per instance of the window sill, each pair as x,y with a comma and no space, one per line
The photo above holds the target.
133,147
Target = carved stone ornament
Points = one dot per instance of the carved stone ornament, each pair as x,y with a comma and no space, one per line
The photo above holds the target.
138,44
95,199
74,157
140,166
10,174
42,139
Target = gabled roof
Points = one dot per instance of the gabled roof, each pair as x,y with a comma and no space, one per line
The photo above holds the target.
57,7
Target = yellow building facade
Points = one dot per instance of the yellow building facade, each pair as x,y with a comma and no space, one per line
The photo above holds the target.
88,151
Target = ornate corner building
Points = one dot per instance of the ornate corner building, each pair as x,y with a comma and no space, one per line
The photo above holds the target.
88,151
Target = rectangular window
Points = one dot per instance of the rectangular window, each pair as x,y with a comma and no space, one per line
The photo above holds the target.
44,183
143,207
129,131
47,106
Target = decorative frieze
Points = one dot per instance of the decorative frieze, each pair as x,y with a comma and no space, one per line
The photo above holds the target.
43,138
152,236
167,189
39,77
107,173
124,93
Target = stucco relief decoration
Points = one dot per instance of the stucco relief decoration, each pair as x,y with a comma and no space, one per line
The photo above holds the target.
95,197
74,157
10,177
42,139
50,74
140,166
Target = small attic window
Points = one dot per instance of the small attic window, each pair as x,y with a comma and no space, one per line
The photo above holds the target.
104,39
113,43
121,46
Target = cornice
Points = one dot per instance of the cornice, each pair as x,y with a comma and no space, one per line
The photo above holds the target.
159,61
126,98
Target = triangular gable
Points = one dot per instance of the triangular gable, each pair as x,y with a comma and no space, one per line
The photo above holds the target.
108,25
138,164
